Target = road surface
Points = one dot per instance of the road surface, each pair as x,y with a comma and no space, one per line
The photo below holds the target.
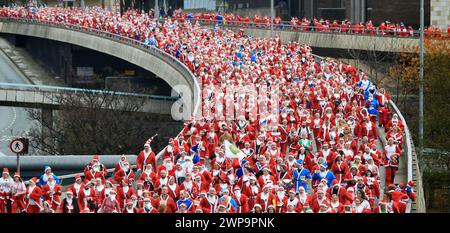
13,121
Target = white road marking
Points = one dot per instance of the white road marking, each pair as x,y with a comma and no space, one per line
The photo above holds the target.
12,122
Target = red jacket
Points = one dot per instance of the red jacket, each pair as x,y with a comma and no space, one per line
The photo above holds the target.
141,161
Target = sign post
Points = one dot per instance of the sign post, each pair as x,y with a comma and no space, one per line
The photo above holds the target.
19,146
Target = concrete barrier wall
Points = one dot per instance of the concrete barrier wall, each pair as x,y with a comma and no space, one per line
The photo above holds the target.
341,40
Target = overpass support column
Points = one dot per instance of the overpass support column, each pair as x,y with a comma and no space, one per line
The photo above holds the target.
47,127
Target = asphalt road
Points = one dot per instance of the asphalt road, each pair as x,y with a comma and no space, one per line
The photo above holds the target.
13,121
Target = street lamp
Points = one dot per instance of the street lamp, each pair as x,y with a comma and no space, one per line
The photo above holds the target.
421,144
272,16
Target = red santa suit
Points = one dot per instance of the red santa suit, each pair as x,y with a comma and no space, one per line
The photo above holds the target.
168,201
265,199
122,174
75,188
242,202
123,194
368,128
52,194
145,158
91,173
33,195
85,197
339,170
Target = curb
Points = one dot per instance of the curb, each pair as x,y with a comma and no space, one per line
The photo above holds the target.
15,66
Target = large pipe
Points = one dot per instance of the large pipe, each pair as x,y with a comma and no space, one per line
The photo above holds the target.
64,162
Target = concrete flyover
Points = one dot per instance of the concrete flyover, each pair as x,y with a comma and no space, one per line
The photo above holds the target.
342,40
150,58
47,97
330,40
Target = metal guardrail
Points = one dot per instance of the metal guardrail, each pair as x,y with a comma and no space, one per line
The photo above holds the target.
161,54
28,87
408,149
286,26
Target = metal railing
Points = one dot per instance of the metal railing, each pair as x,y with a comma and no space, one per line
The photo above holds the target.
407,149
286,26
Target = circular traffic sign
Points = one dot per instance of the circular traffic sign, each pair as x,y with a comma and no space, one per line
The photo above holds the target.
17,146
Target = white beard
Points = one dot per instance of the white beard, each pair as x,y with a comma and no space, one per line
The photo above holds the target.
169,166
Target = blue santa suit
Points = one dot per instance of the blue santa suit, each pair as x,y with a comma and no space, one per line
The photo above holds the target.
367,85
42,182
219,19
232,202
329,176
298,182
368,92
186,201
373,108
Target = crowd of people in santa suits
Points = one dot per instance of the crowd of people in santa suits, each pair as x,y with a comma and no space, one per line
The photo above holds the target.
315,24
317,152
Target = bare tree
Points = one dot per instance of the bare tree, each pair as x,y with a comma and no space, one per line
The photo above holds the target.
91,122
374,60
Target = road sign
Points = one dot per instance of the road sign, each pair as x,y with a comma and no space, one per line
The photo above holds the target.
19,146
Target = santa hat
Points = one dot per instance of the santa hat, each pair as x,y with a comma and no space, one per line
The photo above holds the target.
5,170
46,168
335,182
34,180
129,201
96,157
411,183
222,204
69,191
148,142
324,164
257,205
141,182
358,177
267,185
392,187
77,177
299,161
16,174
325,203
